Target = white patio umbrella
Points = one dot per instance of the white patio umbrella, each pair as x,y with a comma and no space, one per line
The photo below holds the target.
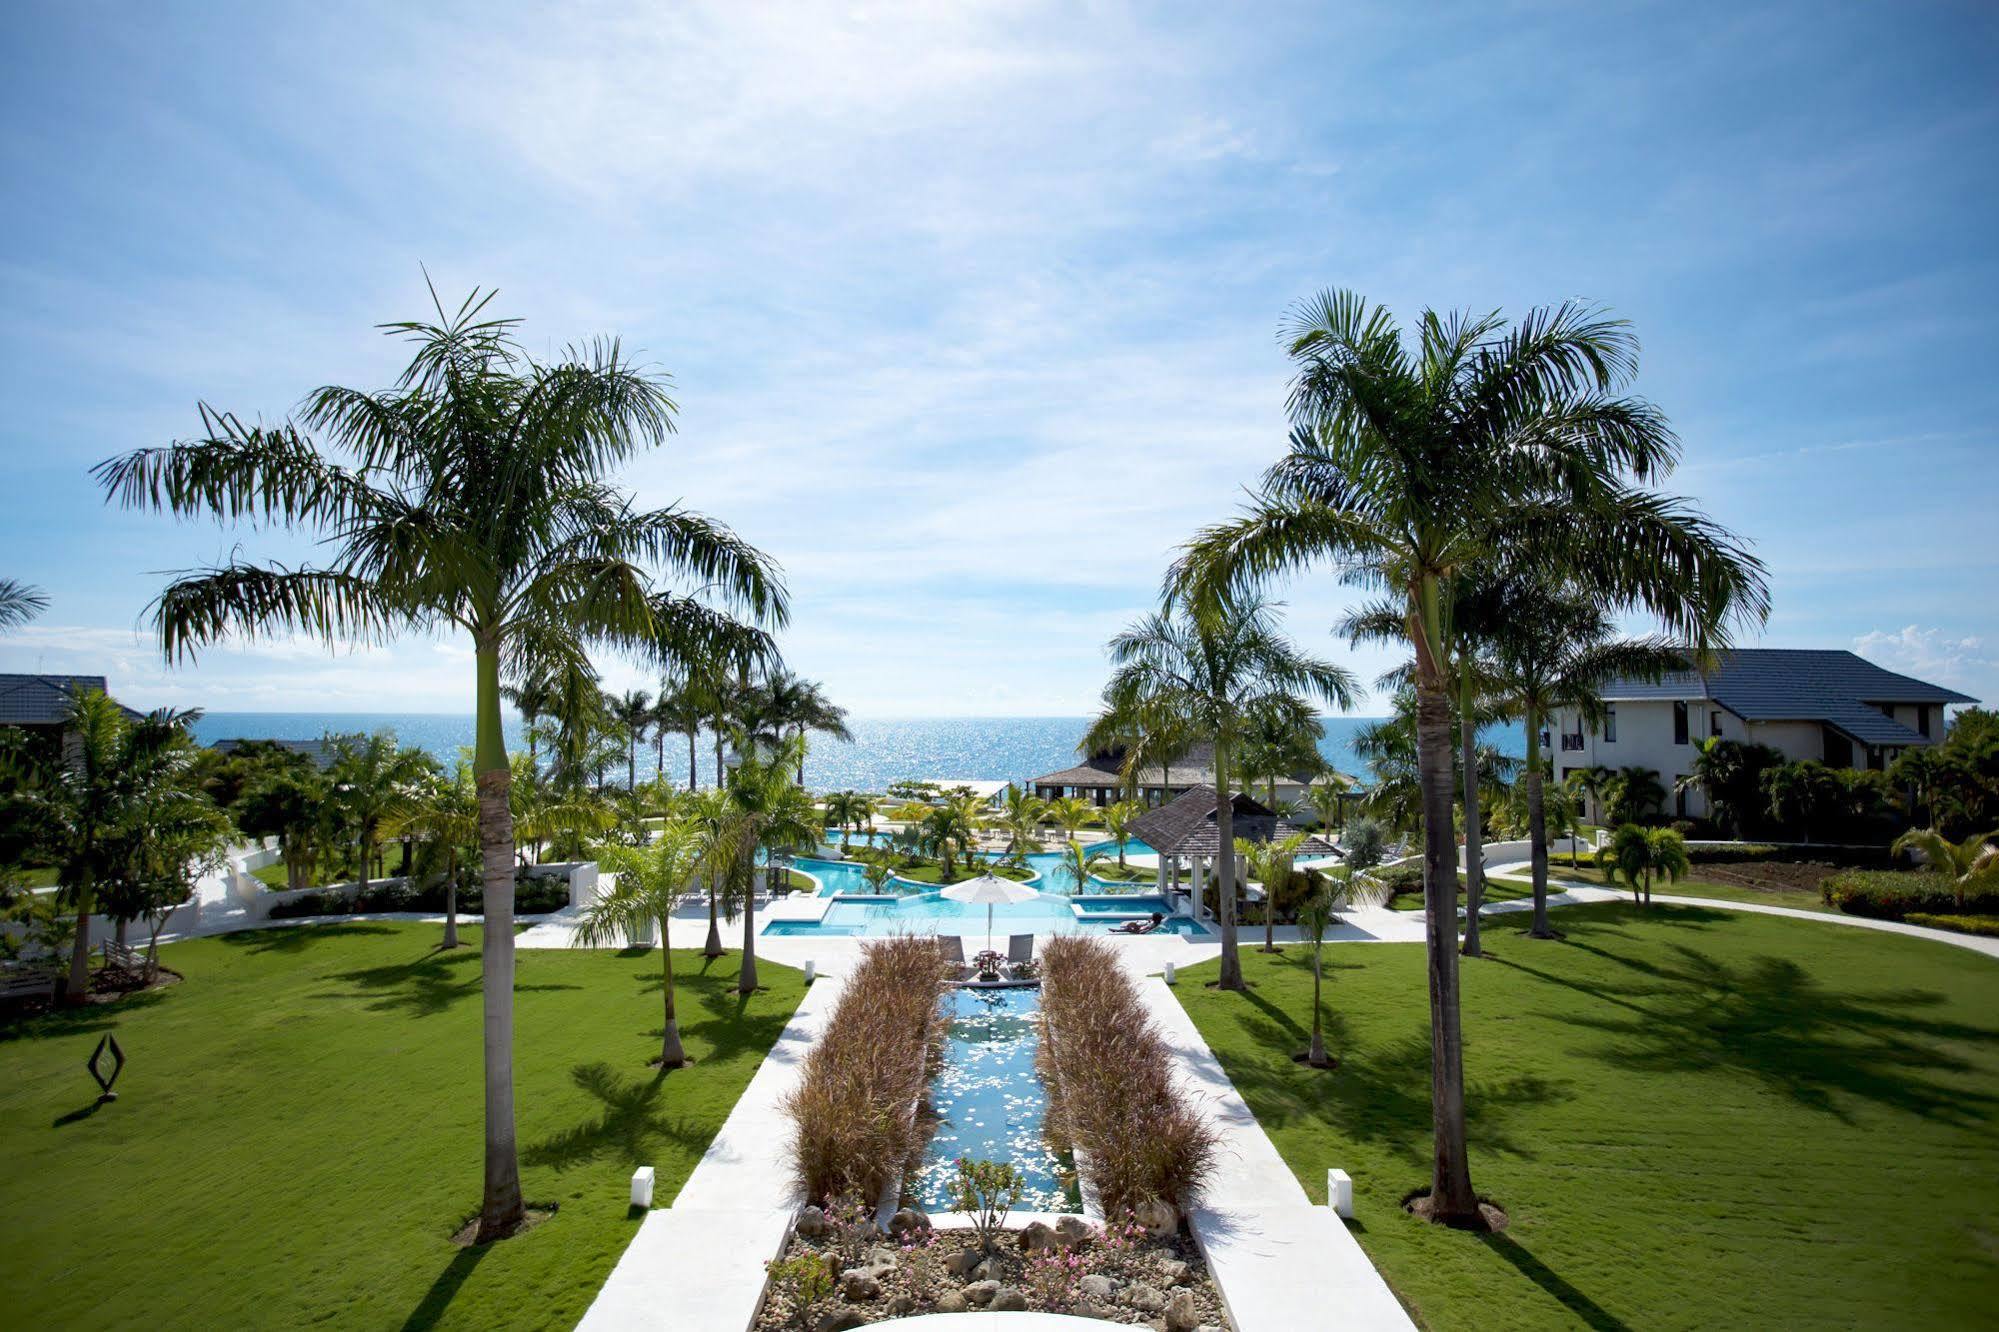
992,890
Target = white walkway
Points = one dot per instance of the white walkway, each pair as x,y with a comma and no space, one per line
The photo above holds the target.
699,1263
1281,1263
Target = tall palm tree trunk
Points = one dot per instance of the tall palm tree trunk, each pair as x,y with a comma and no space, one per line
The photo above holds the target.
659,762
746,982
502,1209
718,751
1316,1056
1537,828
450,899
670,1053
79,952
713,946
1474,833
693,777
1231,978
1451,1198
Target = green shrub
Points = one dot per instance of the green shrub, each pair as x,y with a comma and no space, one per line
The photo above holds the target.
1986,925
1893,894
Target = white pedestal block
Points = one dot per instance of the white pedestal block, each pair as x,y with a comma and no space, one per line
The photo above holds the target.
642,1187
1168,975
1339,1193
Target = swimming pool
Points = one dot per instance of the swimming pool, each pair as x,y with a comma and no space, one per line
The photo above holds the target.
933,913
990,1103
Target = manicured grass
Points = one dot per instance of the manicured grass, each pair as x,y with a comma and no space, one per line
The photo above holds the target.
298,1131
1108,869
1496,890
1695,1118
41,877
1692,886
935,873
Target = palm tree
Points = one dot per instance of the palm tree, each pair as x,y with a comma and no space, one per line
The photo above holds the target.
82,808
1962,861
650,880
1315,917
1021,814
947,832
848,810
1596,782
287,802
1271,751
1269,863
1326,797
1635,793
478,501
20,603
770,813
794,706
445,814
1070,813
1119,815
1218,669
1640,853
534,698
632,711
1081,863
713,810
370,777
1410,466
1553,647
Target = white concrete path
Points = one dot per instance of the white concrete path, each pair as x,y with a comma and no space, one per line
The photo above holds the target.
1572,891
1281,1263
699,1263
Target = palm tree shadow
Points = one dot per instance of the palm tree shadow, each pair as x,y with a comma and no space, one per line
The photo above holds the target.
1774,1022
296,938
1582,1306
628,1127
427,986
442,1291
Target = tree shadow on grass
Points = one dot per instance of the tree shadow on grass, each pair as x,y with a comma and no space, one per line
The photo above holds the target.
1774,1022
1582,1306
82,1020
442,1291
296,938
427,986
632,1121
1379,1094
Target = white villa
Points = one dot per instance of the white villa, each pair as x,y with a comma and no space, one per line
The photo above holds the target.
1806,703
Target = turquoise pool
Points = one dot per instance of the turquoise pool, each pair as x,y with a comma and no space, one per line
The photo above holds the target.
990,1102
932,913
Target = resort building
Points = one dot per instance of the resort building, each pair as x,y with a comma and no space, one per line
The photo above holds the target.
1822,704
322,752
1099,780
38,704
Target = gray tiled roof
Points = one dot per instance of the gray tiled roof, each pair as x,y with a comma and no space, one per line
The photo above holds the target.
1193,766
322,752
1799,684
40,700
1185,825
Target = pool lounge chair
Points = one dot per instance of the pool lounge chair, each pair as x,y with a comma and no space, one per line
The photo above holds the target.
953,949
1019,948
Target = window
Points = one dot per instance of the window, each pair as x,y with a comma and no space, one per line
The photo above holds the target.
1714,721
1610,723
1923,719
1679,723
1679,799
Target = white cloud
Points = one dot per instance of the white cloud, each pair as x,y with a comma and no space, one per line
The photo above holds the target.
1959,661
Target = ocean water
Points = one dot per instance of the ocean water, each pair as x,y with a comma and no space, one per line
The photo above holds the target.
884,749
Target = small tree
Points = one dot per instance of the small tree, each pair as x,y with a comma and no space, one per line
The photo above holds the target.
1637,854
947,832
1315,917
650,879
1081,863
1118,818
1963,861
1364,842
987,1191
1070,814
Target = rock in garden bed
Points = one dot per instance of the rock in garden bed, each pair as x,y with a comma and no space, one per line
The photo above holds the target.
837,1272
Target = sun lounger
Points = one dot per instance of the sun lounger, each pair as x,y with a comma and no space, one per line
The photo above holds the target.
1020,948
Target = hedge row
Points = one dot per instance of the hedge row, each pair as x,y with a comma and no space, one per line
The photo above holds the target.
533,895
1893,895
1987,925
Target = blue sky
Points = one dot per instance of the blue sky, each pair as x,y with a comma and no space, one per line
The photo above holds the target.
971,309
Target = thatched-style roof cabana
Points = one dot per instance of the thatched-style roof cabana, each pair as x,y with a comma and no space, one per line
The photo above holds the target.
1185,826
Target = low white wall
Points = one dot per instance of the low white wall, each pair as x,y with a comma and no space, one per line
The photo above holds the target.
581,875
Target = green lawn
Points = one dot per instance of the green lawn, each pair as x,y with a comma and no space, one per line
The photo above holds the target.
1696,1119
1801,899
297,1133
1496,890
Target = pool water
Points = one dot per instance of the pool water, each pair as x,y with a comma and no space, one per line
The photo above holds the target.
990,1102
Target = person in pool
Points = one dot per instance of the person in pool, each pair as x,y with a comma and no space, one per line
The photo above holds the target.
1140,926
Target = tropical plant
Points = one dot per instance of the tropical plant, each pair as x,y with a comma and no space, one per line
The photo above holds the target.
1326,797
877,872
1806,795
478,501
1021,814
986,1191
1081,863
1636,795
1594,783
1364,843
87,809
1550,647
1119,815
947,832
288,802
790,706
848,811
1218,670
1070,814
1273,748
632,712
1730,774
1270,863
713,810
650,880
1315,917
1961,861
444,814
1638,853
1479,446
20,603
368,778
770,813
